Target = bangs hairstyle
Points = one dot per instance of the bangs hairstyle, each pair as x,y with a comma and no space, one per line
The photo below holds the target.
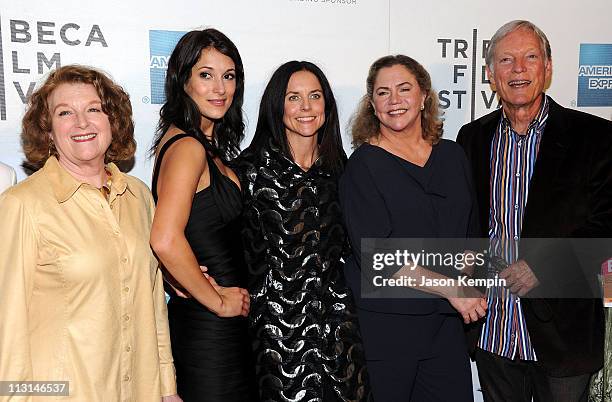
36,124
181,111
365,124
272,109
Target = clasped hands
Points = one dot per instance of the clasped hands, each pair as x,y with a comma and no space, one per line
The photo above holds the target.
235,301
469,303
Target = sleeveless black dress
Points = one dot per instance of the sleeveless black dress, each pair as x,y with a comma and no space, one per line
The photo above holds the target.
212,355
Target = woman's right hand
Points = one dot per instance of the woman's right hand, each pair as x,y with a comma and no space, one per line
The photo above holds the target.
234,301
470,303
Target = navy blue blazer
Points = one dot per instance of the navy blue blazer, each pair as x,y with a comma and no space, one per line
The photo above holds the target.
384,196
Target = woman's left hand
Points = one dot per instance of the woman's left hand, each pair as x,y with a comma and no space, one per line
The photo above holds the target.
172,398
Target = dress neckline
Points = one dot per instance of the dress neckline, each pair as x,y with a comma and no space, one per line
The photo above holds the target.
212,175
428,162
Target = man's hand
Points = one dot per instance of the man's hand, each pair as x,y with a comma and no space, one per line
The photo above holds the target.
520,279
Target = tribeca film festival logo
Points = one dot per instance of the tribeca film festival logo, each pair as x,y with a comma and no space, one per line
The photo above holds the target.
467,55
161,44
595,75
38,40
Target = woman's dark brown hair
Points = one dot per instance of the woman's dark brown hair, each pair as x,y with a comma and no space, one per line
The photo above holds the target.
36,124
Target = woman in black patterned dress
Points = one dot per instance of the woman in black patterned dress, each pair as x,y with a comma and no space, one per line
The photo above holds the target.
306,337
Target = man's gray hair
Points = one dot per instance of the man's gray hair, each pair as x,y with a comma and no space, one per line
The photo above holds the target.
511,27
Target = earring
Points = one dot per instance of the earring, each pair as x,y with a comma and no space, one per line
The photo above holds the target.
51,148
422,107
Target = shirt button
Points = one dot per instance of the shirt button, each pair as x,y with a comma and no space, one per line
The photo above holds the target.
126,378
128,349
126,317
515,237
515,206
518,174
126,289
124,260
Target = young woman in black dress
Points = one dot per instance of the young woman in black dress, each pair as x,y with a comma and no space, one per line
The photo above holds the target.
197,221
307,342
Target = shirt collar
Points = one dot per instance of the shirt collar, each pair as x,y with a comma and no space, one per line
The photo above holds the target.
538,122
65,186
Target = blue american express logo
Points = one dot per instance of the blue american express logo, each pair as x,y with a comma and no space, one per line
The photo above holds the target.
595,75
161,44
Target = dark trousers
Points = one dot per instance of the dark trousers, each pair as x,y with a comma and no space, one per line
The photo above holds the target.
416,358
505,380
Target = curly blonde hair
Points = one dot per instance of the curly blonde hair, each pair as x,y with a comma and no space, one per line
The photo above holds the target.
36,123
365,125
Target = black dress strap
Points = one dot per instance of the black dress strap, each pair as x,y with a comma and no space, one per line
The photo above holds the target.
160,156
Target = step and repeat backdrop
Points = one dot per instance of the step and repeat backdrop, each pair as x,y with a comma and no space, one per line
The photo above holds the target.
133,40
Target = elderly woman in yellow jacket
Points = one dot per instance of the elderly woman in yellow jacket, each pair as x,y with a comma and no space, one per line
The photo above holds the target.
81,295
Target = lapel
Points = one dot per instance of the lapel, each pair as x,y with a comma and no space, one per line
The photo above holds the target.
554,146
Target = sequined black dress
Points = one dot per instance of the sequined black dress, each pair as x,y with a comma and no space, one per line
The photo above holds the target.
306,336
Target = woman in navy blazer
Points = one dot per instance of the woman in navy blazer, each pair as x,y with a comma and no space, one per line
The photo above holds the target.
404,181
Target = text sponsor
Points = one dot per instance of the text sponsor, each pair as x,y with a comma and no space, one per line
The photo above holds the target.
325,2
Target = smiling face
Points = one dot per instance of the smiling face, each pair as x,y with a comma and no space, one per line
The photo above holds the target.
397,99
520,70
304,105
80,130
212,83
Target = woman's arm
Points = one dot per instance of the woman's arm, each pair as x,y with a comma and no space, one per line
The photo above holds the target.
179,175
18,252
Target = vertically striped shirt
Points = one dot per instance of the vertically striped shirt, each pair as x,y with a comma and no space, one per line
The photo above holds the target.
513,159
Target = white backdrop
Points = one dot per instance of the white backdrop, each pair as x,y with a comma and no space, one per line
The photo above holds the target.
342,36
